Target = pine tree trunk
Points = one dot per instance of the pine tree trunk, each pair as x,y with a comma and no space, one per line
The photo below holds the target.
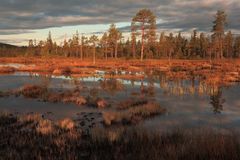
116,50
81,51
94,55
105,52
133,50
142,49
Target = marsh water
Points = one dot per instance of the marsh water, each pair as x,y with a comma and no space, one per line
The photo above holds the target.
189,103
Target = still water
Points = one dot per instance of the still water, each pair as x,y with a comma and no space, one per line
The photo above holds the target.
189,103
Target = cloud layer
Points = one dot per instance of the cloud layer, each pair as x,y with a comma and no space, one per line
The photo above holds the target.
19,16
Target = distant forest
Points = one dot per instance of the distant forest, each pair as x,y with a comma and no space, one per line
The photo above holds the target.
142,44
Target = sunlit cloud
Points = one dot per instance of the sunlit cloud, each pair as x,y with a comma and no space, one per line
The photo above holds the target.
26,16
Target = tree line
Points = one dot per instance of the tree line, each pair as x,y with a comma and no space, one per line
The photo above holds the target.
143,43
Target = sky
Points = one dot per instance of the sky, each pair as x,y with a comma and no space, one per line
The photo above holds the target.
21,20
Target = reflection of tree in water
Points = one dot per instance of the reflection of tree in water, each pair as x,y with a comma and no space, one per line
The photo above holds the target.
45,79
111,85
148,90
217,101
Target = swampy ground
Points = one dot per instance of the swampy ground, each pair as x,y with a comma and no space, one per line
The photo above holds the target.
63,108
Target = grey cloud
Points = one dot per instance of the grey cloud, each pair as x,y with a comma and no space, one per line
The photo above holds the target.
183,14
9,32
13,41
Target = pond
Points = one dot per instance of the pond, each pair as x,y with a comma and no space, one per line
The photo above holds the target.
189,103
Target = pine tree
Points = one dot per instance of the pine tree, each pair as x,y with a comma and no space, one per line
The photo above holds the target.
228,45
194,45
204,43
179,45
237,47
49,43
133,40
114,36
30,49
104,45
93,40
145,21
170,46
218,33
65,48
83,41
162,46
75,44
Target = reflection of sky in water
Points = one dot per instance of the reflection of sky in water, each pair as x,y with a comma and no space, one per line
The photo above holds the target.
15,65
187,110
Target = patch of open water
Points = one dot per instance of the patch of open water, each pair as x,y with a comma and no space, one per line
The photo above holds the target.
188,103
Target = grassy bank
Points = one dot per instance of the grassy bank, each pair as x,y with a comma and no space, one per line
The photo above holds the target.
217,72
32,137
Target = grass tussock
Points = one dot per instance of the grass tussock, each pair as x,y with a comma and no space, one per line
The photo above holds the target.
129,103
33,91
133,115
67,124
36,138
45,126
30,118
71,96
62,71
148,90
94,100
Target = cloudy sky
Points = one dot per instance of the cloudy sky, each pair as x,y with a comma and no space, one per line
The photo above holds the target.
21,20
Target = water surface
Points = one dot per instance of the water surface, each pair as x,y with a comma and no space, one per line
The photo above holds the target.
189,103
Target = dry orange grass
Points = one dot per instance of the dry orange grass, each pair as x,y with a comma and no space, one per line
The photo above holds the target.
67,124
33,91
48,141
133,115
7,70
45,127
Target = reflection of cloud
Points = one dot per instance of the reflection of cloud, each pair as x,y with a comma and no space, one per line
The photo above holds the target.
183,14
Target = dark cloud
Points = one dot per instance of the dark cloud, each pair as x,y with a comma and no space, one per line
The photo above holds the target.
24,15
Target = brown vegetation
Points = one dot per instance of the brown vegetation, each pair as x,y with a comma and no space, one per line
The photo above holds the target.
67,124
69,96
36,138
131,102
111,85
219,71
132,115
33,91
62,71
7,70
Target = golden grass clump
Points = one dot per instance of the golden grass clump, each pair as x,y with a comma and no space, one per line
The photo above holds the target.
132,115
147,110
30,118
33,91
112,117
101,103
98,134
45,127
131,102
66,124
73,99
62,71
